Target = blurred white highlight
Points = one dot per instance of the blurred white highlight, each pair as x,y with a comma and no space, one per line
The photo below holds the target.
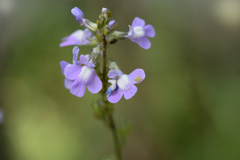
6,6
228,12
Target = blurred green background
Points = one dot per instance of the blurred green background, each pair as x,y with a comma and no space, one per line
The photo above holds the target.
187,108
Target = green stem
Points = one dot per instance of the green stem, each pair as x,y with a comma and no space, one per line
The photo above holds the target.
115,137
112,125
104,65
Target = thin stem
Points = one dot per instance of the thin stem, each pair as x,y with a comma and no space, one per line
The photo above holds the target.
112,125
104,65
115,137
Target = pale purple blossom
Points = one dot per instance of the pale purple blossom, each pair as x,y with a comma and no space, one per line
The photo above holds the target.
79,37
79,15
82,74
122,84
138,33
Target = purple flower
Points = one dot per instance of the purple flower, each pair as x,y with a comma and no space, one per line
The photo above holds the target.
78,14
78,37
123,84
138,33
82,75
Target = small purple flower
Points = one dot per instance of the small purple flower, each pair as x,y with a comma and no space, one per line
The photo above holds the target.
111,24
79,37
82,74
138,33
123,84
78,14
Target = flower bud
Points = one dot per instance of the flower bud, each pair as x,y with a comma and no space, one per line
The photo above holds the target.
104,10
99,36
106,13
78,14
111,25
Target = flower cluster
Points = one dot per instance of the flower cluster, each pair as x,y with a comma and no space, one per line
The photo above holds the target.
85,72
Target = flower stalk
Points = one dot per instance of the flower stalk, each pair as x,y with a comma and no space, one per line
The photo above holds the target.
117,149
111,123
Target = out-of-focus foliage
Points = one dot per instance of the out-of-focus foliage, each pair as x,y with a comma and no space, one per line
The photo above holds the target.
187,107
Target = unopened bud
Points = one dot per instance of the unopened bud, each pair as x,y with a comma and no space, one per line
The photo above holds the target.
104,10
99,36
109,13
111,25
106,13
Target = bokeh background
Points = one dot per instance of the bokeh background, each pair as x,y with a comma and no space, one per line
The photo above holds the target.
187,108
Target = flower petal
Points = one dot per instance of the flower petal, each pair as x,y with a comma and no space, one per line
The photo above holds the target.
143,42
75,54
86,34
95,84
83,59
113,74
111,24
68,83
130,32
76,38
69,41
149,31
137,76
115,96
63,64
78,88
138,22
78,14
130,92
72,71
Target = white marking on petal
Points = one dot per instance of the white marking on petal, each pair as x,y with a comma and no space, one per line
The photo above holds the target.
124,82
138,32
85,74
114,84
